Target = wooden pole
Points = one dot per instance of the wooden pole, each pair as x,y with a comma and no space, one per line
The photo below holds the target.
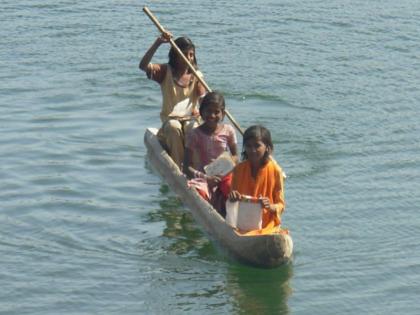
190,66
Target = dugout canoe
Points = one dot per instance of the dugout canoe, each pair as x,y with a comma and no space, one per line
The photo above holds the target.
261,250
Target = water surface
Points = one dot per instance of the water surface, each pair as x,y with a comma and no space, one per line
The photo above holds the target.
87,227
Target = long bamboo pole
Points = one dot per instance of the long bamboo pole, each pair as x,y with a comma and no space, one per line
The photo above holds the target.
193,70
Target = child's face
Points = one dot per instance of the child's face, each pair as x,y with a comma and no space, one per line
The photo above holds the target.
255,150
212,114
189,54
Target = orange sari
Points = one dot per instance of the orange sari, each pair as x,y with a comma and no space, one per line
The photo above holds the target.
268,183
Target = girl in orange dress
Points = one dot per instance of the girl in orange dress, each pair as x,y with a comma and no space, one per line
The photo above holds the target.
259,176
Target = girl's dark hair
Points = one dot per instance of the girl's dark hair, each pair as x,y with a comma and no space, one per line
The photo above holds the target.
261,134
214,97
184,44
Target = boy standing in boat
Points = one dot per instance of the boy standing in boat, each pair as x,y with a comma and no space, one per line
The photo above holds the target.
181,92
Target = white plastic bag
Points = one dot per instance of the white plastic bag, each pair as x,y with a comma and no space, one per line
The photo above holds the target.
246,215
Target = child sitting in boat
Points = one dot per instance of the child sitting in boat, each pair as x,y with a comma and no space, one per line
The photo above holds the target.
181,92
206,143
259,176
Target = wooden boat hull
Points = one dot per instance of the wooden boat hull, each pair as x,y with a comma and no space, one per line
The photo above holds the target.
261,250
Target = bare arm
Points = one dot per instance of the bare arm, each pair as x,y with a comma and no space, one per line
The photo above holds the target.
234,152
144,62
187,169
234,195
201,91
193,173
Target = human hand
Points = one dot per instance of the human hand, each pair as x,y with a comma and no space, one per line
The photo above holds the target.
164,37
265,202
195,112
213,180
234,195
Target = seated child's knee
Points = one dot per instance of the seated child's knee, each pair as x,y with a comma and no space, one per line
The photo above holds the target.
173,125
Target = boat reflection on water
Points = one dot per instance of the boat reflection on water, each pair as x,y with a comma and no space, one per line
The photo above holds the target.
184,237
259,291
228,286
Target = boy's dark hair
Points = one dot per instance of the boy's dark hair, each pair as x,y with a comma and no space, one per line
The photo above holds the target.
214,97
261,133
184,44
